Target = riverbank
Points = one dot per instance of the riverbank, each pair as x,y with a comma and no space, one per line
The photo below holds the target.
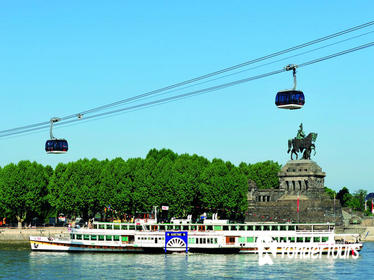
367,233
16,234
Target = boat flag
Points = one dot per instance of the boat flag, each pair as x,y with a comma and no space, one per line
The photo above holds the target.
372,207
298,203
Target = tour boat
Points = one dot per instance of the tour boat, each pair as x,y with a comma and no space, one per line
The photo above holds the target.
209,236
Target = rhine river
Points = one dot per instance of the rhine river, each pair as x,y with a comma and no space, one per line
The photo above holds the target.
18,262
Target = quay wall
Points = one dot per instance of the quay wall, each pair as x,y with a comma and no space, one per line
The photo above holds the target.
16,234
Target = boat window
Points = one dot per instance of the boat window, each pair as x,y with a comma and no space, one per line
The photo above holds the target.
125,238
215,241
177,227
316,239
307,239
258,228
93,237
291,239
101,226
124,227
185,227
241,227
86,237
217,227
95,226
230,239
325,239
274,228
266,228
249,227
241,239
131,227
291,227
72,236
116,238
101,237
299,240
108,238
276,239
225,227
197,240
283,227
283,239
139,227
79,236
201,228
204,240
250,239
117,227
209,227
109,226
191,240
154,228
193,227
162,227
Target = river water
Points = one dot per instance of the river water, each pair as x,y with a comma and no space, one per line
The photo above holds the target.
18,262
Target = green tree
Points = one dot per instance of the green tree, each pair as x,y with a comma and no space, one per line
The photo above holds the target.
330,192
23,189
344,196
224,190
75,188
357,201
264,174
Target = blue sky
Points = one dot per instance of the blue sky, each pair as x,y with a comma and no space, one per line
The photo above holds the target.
59,58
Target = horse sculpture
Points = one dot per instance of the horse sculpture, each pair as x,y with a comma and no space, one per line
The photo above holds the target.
304,145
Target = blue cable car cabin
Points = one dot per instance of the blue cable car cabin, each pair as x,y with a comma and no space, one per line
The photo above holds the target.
56,146
290,99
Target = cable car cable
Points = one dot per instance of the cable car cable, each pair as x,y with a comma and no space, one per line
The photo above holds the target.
264,64
225,69
173,86
201,91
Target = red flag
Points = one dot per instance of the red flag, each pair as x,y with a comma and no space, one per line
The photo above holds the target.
298,202
372,207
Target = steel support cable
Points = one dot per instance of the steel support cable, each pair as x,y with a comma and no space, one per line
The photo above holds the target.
224,70
261,65
214,88
163,100
352,29
336,54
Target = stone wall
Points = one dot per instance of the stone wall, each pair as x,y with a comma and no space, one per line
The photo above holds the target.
298,179
285,210
15,234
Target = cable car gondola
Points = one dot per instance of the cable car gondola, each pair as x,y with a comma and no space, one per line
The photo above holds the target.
54,145
290,99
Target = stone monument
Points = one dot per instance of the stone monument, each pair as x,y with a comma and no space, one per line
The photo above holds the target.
301,182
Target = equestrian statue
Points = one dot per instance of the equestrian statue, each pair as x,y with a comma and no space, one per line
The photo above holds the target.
302,144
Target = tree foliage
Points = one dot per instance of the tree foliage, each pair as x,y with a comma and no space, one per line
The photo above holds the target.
23,189
188,184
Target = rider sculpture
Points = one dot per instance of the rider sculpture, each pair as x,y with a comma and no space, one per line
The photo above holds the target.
302,144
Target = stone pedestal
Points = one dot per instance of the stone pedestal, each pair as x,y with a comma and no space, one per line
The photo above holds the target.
301,180
301,176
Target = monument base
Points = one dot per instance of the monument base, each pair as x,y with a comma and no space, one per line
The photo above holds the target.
299,180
